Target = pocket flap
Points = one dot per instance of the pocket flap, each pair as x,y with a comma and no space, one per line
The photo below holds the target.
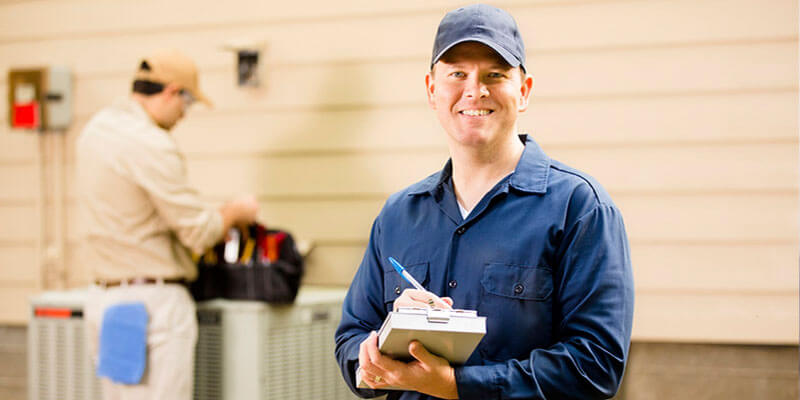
518,281
394,284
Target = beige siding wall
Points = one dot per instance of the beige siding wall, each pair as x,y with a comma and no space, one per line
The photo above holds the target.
686,111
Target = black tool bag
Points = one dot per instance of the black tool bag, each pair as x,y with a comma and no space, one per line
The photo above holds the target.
268,268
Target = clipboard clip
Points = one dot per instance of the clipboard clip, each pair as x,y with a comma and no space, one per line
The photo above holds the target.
438,315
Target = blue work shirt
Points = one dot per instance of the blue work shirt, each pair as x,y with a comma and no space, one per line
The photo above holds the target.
543,256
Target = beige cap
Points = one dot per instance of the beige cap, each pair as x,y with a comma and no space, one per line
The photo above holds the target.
172,66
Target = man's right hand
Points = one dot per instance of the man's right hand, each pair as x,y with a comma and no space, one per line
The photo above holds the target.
422,299
239,211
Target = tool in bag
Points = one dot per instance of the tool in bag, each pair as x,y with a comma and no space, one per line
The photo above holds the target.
267,267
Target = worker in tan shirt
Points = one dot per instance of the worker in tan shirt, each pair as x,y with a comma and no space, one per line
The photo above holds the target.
143,220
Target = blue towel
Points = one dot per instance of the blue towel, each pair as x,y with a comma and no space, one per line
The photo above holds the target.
123,343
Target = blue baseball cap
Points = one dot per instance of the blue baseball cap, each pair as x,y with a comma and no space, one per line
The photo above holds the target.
484,24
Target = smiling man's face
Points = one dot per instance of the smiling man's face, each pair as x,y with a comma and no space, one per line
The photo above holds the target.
477,96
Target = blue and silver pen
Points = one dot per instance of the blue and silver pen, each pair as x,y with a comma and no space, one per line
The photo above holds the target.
402,271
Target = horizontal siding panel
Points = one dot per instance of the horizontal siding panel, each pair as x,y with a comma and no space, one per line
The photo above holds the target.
57,19
720,118
716,318
333,265
728,68
15,147
689,219
643,23
24,178
18,265
667,70
723,267
410,30
15,301
18,223
688,168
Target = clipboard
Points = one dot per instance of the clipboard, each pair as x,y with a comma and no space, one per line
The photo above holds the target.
450,334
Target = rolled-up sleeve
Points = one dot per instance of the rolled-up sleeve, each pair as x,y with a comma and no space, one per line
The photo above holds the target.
595,310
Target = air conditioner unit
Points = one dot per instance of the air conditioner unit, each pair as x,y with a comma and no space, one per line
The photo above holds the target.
59,366
245,350
252,350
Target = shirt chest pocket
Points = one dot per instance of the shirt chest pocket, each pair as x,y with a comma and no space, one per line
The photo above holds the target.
517,303
517,281
394,284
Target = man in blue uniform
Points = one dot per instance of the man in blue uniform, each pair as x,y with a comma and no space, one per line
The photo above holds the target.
536,247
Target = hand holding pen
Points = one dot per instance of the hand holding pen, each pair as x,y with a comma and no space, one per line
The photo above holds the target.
419,296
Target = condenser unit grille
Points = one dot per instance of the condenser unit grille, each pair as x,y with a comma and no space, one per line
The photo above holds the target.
208,370
43,364
79,347
302,340
60,366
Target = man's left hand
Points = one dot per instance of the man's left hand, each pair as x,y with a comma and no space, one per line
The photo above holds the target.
427,373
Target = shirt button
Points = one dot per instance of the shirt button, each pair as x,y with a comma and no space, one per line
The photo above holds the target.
518,288
397,290
461,230
452,284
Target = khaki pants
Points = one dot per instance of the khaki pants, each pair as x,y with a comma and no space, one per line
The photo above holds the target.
171,339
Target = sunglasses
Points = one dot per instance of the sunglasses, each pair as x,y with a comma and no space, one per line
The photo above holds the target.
188,99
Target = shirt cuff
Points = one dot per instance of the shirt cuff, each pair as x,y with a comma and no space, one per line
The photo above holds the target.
476,382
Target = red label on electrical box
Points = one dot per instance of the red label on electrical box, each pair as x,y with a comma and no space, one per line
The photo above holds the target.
26,115
53,312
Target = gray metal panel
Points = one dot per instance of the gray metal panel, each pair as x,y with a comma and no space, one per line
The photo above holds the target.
208,367
299,360
58,364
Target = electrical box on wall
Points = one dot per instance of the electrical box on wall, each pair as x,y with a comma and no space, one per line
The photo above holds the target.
248,53
40,98
247,67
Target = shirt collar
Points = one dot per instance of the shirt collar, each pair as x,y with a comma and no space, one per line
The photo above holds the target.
530,175
533,168
133,107
432,183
